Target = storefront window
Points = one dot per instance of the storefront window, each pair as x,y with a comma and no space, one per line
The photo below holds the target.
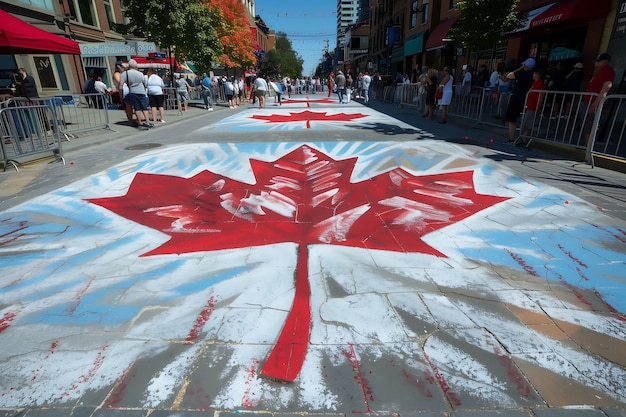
8,67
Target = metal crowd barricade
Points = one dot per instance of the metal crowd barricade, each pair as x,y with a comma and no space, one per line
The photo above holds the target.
561,118
408,95
172,101
608,128
29,133
467,102
75,113
82,113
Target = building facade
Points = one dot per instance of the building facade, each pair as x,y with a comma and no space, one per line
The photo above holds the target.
409,33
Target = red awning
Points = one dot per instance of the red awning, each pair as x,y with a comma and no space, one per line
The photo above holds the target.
437,36
161,63
571,9
19,37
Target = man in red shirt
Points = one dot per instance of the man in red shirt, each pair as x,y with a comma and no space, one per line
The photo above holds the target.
534,102
601,82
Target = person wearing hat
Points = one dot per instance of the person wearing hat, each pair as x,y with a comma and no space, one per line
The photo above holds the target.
601,82
182,89
522,79
573,81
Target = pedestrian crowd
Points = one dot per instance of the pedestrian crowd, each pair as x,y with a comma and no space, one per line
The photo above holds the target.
522,85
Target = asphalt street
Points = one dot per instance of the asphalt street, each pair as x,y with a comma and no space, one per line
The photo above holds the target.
311,259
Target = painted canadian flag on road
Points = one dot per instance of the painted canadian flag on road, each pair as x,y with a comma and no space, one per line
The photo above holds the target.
273,276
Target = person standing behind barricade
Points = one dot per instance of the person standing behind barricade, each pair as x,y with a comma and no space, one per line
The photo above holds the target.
156,99
366,84
556,83
182,89
90,90
122,92
207,97
422,89
446,98
25,85
136,93
522,79
533,103
466,82
494,78
349,85
430,83
573,82
482,78
601,83
101,88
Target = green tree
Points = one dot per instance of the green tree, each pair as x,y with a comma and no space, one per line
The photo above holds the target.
484,23
187,25
282,60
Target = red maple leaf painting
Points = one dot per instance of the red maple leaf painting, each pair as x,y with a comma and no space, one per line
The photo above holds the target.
309,116
304,197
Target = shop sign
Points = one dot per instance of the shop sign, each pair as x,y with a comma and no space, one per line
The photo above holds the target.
94,49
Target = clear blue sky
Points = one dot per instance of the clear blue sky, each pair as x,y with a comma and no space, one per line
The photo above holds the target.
307,25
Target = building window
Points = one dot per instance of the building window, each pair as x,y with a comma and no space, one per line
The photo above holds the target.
42,4
452,4
110,14
424,12
414,7
84,11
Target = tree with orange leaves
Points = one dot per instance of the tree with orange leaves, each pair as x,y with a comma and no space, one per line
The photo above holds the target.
233,31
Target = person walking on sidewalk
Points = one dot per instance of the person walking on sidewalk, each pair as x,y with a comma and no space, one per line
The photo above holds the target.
340,81
207,92
260,88
182,89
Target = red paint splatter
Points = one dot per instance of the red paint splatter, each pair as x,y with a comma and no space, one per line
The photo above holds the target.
115,397
201,320
7,319
609,307
442,382
96,365
78,297
53,347
529,269
418,383
521,384
571,256
361,380
250,377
